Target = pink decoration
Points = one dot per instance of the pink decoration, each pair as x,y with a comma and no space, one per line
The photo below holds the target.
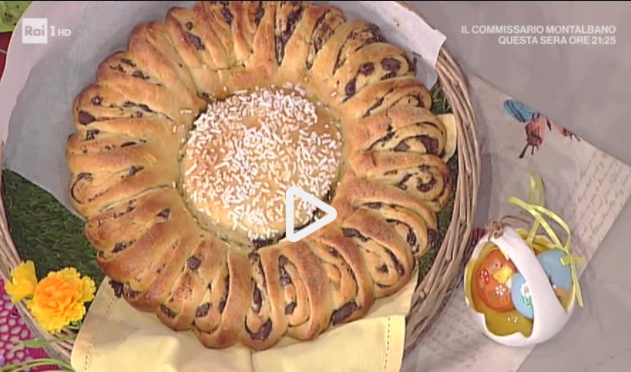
12,331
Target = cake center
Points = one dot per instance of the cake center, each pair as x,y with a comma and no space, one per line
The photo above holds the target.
247,150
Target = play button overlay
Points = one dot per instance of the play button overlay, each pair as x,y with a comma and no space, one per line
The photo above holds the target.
294,236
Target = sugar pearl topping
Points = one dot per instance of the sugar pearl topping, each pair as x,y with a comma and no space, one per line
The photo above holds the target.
247,150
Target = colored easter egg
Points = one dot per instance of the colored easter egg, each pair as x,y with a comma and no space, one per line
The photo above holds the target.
560,275
492,281
521,297
560,278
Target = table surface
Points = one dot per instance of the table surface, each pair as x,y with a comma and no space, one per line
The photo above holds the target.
585,88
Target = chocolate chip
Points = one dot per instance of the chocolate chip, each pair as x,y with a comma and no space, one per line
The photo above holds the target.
289,309
333,252
133,170
84,176
189,25
260,12
130,293
127,144
97,100
91,134
257,298
373,205
260,243
424,168
196,41
253,256
121,246
383,268
367,68
285,35
285,279
193,263
397,264
430,144
390,64
85,118
203,310
145,107
118,68
419,101
391,172
353,233
117,287
139,75
343,312
402,147
128,62
383,139
222,303
168,312
138,114
412,64
374,29
164,213
402,184
263,333
350,88
411,238
328,196
282,260
425,187
389,75
108,147
129,209
227,15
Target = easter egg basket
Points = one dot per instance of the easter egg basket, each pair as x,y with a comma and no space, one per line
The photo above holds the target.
522,287
34,226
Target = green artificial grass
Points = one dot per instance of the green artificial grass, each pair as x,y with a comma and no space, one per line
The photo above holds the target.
45,232
440,106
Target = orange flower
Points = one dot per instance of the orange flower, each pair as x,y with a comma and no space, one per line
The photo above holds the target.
22,283
60,299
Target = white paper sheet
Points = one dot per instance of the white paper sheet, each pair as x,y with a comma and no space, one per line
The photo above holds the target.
585,186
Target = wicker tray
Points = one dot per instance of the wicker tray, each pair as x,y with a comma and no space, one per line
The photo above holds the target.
444,274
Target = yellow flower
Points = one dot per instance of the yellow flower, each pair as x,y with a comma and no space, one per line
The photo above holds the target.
23,282
60,299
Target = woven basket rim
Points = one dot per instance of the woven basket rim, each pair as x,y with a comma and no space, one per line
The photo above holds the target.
446,271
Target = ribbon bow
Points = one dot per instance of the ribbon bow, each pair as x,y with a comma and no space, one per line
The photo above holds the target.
539,212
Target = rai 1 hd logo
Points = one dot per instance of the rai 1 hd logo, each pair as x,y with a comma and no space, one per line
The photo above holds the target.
37,31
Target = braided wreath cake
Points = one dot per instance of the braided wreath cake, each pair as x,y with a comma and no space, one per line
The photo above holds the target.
187,141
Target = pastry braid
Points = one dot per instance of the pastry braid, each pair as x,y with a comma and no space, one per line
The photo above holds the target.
133,121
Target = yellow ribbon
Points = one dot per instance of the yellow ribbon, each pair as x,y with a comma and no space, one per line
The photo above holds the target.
538,211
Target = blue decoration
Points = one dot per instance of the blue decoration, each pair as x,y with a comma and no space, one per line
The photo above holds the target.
560,277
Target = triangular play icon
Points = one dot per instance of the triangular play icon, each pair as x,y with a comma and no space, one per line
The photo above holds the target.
294,236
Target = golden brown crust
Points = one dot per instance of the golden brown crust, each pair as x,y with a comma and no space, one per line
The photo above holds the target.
124,157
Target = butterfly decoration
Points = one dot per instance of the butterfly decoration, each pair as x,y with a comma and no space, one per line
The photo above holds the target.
536,125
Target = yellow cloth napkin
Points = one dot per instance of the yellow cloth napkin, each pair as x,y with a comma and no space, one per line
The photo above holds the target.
117,338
